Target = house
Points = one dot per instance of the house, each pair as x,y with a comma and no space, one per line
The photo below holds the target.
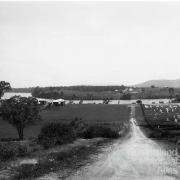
42,101
50,102
58,102
129,91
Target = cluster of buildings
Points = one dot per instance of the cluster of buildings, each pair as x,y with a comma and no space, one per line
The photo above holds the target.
50,102
129,90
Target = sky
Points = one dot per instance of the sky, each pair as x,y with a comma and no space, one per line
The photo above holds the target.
88,43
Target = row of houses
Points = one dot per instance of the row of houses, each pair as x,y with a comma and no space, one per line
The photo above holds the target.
129,90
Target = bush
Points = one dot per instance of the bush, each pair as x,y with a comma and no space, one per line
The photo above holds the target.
22,150
78,126
56,134
84,130
100,131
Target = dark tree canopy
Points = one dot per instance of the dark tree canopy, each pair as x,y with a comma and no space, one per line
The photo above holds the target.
171,92
4,86
20,112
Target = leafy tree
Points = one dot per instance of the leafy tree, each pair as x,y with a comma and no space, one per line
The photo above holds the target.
20,112
177,97
62,94
4,86
171,92
36,92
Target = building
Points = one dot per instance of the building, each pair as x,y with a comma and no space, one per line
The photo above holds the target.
58,102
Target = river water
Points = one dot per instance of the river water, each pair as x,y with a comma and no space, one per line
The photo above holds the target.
137,158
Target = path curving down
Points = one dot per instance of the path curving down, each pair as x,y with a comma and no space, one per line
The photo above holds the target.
137,158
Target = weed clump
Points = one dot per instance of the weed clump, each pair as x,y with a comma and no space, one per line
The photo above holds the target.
100,131
56,134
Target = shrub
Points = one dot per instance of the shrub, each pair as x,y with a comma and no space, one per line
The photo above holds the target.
60,133
78,126
22,150
55,134
100,131
84,130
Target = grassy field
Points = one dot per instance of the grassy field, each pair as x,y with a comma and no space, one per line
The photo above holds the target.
110,115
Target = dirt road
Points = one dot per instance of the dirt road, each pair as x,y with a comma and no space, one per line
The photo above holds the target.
135,158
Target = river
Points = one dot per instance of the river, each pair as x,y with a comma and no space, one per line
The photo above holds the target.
137,158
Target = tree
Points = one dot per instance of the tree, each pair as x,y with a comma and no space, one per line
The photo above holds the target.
62,94
177,98
20,112
4,86
36,91
171,92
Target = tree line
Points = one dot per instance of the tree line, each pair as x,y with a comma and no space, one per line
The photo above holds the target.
81,88
78,92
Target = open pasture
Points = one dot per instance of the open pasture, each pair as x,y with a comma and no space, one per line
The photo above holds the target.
114,116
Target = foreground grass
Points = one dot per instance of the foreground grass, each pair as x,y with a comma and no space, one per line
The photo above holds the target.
65,159
111,115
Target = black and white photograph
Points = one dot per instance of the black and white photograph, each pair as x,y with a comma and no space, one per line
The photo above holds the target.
89,90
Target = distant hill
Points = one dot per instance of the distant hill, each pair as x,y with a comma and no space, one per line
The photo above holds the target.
160,83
